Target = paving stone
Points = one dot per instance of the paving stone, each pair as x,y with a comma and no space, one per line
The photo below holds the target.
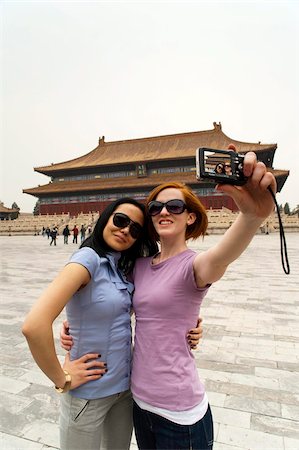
10,385
255,362
9,442
219,446
13,403
224,367
231,417
290,412
272,356
13,424
288,381
275,425
253,405
224,377
291,444
11,371
216,399
44,432
255,381
229,388
36,376
289,398
251,439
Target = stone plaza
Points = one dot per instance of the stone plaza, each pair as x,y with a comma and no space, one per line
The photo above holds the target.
248,357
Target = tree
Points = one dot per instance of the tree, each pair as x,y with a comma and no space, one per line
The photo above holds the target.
286,209
36,208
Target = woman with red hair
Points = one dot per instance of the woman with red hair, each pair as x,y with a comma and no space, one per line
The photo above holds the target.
171,409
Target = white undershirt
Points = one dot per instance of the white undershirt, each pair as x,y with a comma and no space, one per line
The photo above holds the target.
188,417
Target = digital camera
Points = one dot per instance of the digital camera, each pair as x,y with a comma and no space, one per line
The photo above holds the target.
221,166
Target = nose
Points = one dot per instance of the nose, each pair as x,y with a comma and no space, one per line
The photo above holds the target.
164,210
126,229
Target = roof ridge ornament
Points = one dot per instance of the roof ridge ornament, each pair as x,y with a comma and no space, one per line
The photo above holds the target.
101,140
217,126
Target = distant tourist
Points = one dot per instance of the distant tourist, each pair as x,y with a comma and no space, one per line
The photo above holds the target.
53,234
82,233
48,231
66,232
75,231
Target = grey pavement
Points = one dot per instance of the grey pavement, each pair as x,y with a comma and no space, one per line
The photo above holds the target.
248,358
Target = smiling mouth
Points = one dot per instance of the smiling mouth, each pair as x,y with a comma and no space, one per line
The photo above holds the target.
121,238
165,222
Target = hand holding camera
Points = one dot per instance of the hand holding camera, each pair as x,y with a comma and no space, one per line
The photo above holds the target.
241,177
247,181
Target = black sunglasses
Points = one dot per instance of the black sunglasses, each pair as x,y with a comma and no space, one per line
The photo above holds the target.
175,206
121,220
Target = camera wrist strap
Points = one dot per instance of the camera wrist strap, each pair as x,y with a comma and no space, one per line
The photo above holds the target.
283,244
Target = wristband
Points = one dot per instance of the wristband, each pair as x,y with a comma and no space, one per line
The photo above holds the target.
67,385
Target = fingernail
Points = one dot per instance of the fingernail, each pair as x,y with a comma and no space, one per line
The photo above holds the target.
99,356
105,365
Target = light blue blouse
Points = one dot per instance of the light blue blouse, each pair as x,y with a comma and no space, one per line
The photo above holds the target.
99,319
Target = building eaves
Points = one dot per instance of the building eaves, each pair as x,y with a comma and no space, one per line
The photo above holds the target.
3,209
96,185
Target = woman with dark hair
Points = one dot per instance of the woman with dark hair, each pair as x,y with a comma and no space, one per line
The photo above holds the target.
142,246
96,408
219,168
97,295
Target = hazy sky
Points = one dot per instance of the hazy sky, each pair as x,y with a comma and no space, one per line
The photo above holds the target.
74,71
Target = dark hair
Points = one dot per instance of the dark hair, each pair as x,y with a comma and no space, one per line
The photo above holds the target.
144,245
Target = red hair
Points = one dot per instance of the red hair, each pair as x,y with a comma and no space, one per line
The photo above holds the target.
196,229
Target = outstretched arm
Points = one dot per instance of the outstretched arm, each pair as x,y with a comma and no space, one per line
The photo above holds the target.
255,204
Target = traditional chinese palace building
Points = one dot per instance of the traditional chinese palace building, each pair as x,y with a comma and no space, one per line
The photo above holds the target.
8,213
134,167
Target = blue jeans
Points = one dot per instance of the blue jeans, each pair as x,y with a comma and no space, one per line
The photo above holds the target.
156,432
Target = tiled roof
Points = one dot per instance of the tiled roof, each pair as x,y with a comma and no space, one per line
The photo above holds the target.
3,209
154,148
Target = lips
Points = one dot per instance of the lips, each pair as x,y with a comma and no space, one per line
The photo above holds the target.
121,238
165,222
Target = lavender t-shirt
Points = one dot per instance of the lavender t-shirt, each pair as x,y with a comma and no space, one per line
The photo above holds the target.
166,303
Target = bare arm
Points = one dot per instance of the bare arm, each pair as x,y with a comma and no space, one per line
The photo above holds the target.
255,204
37,328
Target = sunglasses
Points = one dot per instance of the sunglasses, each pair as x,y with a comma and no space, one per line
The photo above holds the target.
121,220
173,206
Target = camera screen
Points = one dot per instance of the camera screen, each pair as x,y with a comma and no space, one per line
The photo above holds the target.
217,163
222,166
